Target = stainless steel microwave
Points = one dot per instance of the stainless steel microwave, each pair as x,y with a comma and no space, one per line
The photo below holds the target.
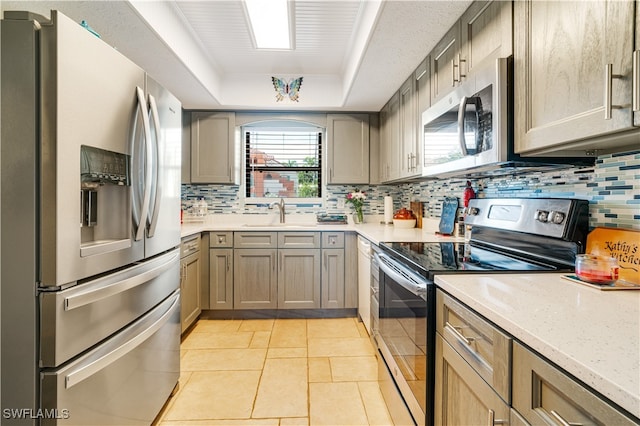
470,131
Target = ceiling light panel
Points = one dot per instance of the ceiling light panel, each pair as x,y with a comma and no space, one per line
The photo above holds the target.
269,20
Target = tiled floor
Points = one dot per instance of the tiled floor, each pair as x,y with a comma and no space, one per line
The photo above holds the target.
277,372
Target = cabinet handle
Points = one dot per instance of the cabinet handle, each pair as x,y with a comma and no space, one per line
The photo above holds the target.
456,330
493,421
455,80
281,260
460,61
562,421
453,73
273,261
408,161
228,263
608,90
636,81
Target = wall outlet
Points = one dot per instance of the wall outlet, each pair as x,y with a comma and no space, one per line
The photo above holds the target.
341,203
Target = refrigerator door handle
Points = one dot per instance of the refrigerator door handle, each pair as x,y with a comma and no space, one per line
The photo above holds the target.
146,198
91,368
157,166
128,282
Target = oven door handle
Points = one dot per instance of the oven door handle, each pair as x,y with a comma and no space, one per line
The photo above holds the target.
415,288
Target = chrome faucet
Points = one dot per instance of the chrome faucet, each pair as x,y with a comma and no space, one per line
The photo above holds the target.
280,205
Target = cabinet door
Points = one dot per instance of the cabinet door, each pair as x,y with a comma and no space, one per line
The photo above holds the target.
390,140
487,32
423,102
636,58
255,275
185,172
221,279
189,290
407,122
212,147
461,396
333,278
298,278
445,64
561,54
542,394
347,148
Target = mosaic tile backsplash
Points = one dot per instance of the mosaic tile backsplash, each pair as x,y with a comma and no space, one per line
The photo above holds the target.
612,188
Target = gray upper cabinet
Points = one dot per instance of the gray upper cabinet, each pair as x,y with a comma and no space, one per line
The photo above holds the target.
213,153
573,76
422,97
185,175
409,154
445,64
390,140
636,75
347,159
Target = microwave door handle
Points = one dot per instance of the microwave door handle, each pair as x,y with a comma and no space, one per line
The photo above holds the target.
461,113
146,198
156,163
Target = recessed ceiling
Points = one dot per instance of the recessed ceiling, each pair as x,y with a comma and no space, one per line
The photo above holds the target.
352,54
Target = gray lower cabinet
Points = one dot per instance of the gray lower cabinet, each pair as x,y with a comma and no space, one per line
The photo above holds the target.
221,278
333,290
472,367
298,278
255,279
190,306
462,396
543,394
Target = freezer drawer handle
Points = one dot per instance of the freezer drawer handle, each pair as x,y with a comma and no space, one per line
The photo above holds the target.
89,370
95,295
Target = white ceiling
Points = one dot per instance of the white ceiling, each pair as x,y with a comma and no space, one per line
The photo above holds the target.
352,54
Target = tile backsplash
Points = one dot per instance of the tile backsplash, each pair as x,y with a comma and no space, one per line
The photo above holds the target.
612,188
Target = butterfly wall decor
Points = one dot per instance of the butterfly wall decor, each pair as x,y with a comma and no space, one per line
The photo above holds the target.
284,89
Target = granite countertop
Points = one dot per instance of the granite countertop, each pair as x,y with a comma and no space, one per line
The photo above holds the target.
374,231
592,334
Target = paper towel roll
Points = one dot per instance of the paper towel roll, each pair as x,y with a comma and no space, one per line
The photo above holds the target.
388,209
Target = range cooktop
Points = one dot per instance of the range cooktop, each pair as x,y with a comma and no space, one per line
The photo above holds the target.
430,259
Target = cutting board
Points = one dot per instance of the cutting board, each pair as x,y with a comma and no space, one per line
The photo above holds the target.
623,244
416,208
448,217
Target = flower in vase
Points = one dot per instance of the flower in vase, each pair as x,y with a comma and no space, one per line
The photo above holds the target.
357,199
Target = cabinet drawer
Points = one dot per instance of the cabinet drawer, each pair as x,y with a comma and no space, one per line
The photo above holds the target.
298,240
190,245
483,346
333,240
221,239
255,240
543,394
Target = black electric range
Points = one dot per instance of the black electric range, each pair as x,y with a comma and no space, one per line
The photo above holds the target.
508,235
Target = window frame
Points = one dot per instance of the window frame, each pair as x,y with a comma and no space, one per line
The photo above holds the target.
282,125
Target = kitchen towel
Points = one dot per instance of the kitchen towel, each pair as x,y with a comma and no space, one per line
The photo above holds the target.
388,209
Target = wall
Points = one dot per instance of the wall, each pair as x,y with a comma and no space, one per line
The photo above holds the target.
612,188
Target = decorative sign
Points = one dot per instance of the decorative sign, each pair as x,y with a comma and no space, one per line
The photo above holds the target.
623,244
290,89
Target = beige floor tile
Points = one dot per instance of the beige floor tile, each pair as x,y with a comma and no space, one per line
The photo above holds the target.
374,404
295,421
362,329
354,369
257,325
223,359
332,327
216,326
283,389
319,370
215,395
260,340
244,422
336,404
356,346
218,340
289,333
287,353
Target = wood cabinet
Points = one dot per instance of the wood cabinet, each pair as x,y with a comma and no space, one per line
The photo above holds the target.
462,397
347,157
213,152
543,394
333,290
255,279
190,306
573,76
221,278
298,278
446,62
409,150
390,140
185,171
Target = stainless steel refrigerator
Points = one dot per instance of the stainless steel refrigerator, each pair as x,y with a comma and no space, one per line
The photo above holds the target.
90,198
